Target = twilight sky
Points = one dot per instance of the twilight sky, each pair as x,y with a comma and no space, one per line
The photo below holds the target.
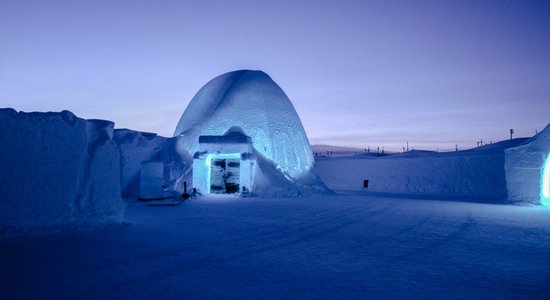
359,73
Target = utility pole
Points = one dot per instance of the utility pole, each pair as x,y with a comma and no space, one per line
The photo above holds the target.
407,146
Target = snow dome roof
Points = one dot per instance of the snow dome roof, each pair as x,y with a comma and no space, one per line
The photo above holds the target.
254,102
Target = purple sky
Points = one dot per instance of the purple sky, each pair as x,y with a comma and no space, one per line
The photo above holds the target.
359,73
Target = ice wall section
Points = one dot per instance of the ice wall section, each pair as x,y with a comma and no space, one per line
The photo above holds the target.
149,161
545,183
527,170
57,170
465,175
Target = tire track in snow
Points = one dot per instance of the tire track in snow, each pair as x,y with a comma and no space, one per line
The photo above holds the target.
335,219
171,251
312,231
276,230
373,240
388,261
439,242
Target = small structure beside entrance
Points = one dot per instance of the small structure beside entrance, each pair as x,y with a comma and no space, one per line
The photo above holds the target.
223,164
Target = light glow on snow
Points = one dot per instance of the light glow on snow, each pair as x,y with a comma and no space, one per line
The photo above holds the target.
545,182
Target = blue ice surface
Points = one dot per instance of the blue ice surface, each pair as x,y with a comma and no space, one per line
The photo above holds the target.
545,183
330,247
252,101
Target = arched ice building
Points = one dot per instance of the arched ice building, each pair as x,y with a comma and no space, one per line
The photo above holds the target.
243,121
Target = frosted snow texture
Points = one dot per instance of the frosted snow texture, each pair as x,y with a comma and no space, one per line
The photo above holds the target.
254,102
524,169
475,174
139,148
57,169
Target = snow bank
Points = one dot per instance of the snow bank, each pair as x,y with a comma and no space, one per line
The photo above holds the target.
148,162
477,173
525,178
271,182
57,169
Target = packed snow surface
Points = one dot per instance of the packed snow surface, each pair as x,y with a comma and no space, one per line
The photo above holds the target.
253,101
57,170
347,246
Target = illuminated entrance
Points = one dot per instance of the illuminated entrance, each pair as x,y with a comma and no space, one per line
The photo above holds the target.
545,183
225,175
224,164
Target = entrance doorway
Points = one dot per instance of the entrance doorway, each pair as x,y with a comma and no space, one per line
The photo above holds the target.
224,175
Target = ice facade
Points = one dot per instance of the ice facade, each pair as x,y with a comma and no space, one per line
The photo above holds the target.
243,131
57,170
252,101
545,185
527,173
224,164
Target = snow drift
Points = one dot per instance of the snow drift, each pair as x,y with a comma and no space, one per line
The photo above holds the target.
57,169
526,179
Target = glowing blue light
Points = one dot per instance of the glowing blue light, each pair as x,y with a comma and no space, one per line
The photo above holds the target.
545,183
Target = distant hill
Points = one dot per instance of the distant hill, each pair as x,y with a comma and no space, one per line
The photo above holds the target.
325,148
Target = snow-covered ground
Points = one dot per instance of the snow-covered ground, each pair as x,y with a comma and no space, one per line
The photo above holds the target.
346,246
62,179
